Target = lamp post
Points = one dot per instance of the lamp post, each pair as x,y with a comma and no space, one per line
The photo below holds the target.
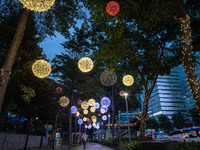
109,126
102,130
129,134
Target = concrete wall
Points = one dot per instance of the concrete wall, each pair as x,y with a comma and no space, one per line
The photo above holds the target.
10,141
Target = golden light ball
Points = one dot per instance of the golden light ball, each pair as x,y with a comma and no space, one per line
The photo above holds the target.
41,68
94,124
63,101
91,102
85,64
77,114
84,105
128,80
94,120
92,109
38,5
93,117
84,119
85,111
108,78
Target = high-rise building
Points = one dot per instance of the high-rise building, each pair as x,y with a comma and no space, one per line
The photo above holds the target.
167,96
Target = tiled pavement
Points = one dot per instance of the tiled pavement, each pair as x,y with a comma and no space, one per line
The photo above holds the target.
89,146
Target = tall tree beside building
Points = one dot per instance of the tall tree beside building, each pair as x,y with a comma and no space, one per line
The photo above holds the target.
178,120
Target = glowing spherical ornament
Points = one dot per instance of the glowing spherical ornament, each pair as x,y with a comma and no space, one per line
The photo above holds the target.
79,102
108,78
91,102
105,101
50,126
97,127
85,64
73,109
99,114
98,123
93,117
84,105
87,119
41,68
103,109
94,124
85,111
63,101
84,119
104,117
77,114
58,90
96,105
86,126
92,109
38,5
80,121
121,93
94,120
89,127
128,80
112,8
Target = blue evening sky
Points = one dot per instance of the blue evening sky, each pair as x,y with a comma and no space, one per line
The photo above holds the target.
52,45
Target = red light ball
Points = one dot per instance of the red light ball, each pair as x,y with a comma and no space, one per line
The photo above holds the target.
99,114
87,119
112,8
58,90
79,102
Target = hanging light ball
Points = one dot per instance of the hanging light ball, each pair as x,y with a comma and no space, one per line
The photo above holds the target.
84,105
108,78
97,127
121,93
87,119
112,8
41,68
85,111
89,127
58,90
104,117
80,121
86,126
79,102
93,117
96,105
77,114
38,5
128,80
63,101
85,64
94,120
84,119
92,109
105,101
91,102
73,109
99,114
94,124
103,109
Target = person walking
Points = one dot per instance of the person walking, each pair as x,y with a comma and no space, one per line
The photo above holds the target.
84,138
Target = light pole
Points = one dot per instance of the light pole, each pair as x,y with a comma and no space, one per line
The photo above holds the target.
126,94
102,130
109,126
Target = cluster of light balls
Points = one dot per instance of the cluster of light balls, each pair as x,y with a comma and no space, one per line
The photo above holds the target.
38,5
63,101
41,68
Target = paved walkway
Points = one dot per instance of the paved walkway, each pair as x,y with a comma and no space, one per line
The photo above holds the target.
89,146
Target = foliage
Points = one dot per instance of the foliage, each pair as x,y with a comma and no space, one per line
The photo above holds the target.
178,120
194,113
193,145
152,123
164,123
75,145
136,145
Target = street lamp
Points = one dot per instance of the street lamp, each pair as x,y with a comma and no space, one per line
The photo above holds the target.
122,93
109,126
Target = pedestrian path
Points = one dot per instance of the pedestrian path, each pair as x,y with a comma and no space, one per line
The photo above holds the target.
89,146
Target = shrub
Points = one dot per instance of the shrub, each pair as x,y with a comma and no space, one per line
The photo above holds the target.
189,145
75,145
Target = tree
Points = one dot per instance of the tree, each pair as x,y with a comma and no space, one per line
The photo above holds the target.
51,17
164,123
149,14
152,123
178,120
194,113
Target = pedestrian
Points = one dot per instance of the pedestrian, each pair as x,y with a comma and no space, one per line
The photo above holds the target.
84,138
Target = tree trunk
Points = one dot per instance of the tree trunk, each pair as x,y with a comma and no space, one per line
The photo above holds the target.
41,140
113,112
119,130
187,61
12,52
75,128
17,127
70,129
79,134
55,127
28,132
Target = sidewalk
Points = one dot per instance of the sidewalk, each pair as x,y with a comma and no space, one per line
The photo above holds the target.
89,146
